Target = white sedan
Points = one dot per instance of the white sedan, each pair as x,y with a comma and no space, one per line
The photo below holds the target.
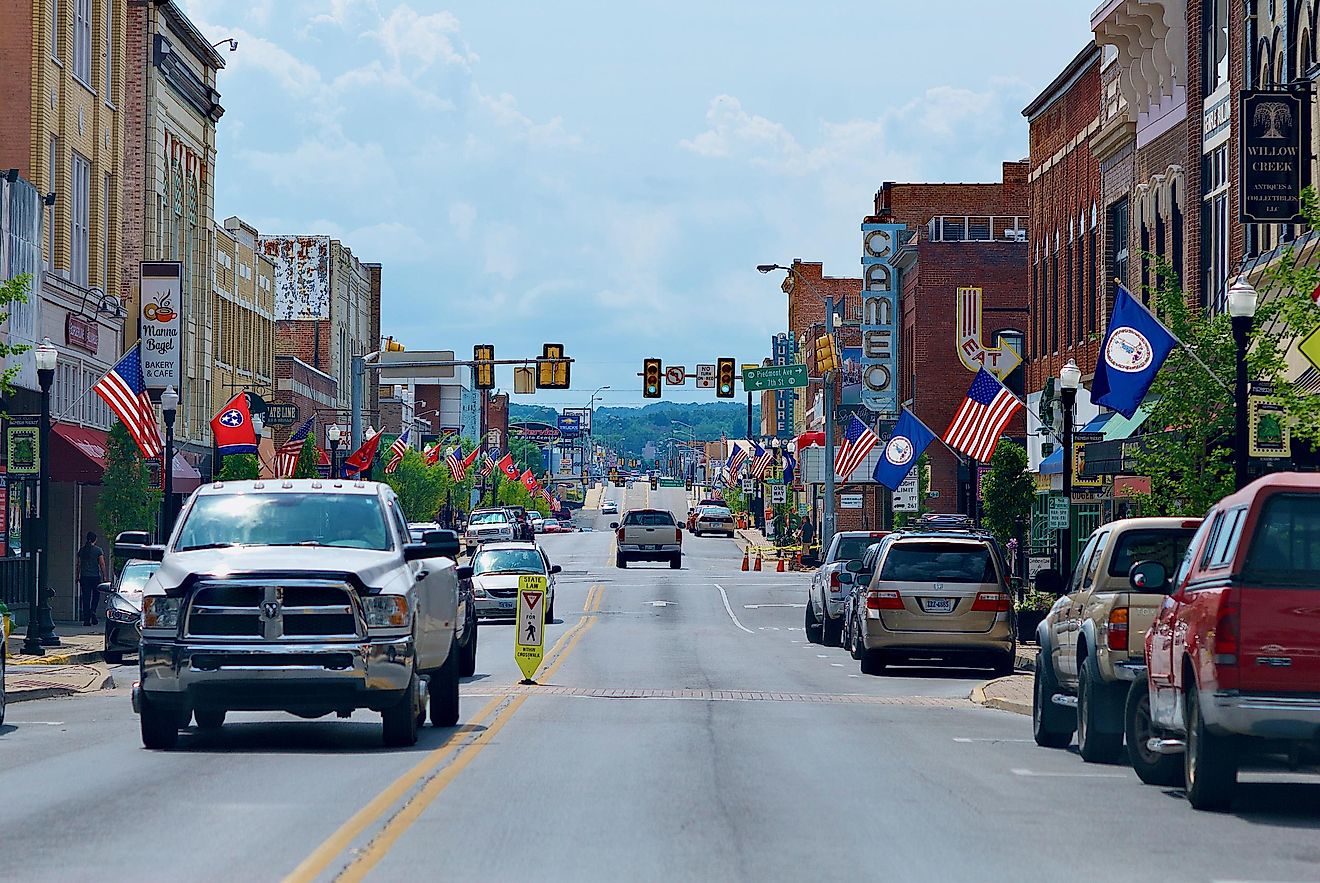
609,507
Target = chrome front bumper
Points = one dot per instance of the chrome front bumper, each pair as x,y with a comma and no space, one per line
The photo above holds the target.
277,676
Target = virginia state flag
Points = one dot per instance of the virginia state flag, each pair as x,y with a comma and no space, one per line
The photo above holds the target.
906,444
233,429
1134,349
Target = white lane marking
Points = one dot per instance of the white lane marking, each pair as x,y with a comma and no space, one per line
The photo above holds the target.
837,664
854,676
992,741
1021,772
759,606
37,723
729,610
659,603
822,656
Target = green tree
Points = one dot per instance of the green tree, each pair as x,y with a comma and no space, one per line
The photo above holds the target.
128,500
421,489
307,462
11,291
240,467
1009,491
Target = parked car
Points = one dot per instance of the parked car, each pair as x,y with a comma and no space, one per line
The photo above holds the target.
1092,640
712,519
937,593
538,522
824,614
566,525
123,608
300,596
648,535
609,507
1234,655
491,526
495,570
854,586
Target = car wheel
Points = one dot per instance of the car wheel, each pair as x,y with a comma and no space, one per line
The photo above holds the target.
1051,725
855,648
831,631
1210,762
676,562
113,657
696,533
812,625
1150,766
399,721
1094,744
444,693
210,718
468,660
872,662
160,726
621,562
550,611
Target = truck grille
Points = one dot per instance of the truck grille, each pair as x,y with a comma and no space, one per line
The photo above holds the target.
257,611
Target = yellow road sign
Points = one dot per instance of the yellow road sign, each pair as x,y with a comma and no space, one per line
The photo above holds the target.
1310,347
529,646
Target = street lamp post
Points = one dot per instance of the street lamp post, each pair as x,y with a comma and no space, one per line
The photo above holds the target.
1242,312
169,408
41,628
1070,378
333,434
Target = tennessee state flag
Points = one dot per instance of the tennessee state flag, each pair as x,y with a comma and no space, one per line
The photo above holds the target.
508,467
360,460
529,481
471,458
233,429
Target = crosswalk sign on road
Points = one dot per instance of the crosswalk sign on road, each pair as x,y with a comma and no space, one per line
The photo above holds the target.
529,639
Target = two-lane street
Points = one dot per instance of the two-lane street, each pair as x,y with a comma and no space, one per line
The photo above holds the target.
682,728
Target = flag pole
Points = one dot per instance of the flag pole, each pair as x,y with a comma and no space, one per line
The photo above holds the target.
1176,339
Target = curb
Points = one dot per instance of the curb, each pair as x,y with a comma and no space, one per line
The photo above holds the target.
978,696
82,657
107,683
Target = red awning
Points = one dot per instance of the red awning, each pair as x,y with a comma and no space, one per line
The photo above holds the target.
186,477
77,453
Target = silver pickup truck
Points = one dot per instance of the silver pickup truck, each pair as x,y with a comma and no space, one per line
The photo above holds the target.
305,596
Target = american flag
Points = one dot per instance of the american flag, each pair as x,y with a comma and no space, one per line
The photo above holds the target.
286,458
736,461
125,392
487,464
397,450
858,441
981,419
456,468
762,462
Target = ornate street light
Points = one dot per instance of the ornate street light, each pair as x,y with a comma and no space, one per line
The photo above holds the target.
1070,379
41,627
1242,311
169,408
333,434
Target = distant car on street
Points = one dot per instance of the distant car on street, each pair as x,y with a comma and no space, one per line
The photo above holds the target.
419,529
648,535
609,507
712,519
538,521
496,568
490,526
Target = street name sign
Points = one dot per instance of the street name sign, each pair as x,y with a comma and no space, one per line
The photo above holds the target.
529,646
774,377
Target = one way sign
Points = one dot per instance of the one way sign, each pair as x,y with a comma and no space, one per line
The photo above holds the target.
529,646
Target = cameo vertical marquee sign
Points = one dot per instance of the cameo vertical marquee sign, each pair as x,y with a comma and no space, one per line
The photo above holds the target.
880,243
1275,155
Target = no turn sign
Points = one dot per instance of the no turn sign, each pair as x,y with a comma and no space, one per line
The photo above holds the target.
675,375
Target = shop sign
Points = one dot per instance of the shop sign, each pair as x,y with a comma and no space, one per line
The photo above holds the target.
850,501
80,333
1080,478
1275,149
23,444
1000,359
160,325
880,244
1269,434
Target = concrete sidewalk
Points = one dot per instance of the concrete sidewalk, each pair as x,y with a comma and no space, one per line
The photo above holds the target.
24,683
1011,693
79,645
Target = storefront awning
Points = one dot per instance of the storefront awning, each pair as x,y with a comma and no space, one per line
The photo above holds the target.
1122,427
77,453
1099,422
186,478
1053,464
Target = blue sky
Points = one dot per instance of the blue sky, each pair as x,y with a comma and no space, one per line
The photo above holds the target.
607,174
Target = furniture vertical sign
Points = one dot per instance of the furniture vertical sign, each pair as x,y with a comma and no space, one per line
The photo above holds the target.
880,243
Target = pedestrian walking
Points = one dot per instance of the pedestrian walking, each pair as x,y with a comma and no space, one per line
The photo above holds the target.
808,532
89,570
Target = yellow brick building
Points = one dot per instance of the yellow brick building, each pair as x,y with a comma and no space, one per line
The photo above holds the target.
243,312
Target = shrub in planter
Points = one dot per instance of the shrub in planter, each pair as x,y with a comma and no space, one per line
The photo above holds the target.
1031,612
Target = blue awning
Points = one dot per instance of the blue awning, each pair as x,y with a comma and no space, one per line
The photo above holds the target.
1053,464
1099,421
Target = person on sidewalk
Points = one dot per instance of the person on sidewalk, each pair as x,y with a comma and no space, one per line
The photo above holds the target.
807,532
89,569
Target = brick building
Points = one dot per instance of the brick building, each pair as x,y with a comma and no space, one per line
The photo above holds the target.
312,391
243,304
967,258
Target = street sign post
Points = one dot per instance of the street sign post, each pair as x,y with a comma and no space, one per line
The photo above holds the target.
778,494
907,493
748,486
529,646
756,379
1058,513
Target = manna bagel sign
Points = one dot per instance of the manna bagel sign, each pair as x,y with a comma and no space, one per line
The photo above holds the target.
159,323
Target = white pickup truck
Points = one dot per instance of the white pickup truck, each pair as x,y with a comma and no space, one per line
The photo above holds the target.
648,535
305,596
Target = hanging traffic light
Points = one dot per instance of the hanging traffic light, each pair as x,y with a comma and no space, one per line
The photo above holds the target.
392,346
724,378
827,354
552,369
651,378
484,356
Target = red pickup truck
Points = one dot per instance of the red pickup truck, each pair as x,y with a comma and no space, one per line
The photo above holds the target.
1233,659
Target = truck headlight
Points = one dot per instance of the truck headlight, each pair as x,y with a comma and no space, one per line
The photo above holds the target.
159,612
386,611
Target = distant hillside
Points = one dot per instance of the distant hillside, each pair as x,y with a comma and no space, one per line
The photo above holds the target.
627,430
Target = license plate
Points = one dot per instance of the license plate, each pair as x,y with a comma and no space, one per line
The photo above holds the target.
938,605
506,605
648,548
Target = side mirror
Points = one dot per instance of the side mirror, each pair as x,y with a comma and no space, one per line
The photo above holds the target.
1148,576
464,572
105,587
434,544
853,566
555,568
614,525
1050,581
847,578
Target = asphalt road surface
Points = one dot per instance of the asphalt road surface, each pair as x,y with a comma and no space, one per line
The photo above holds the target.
683,729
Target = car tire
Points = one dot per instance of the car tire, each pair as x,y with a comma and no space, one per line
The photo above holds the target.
695,533
1165,770
468,660
812,625
1093,743
210,718
1210,762
831,631
872,662
550,611
160,725
676,562
1051,725
855,648
444,693
399,721
113,657
621,562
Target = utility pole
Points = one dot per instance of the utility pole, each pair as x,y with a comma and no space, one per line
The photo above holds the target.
827,523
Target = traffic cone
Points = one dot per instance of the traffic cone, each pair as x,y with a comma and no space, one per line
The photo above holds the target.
780,568
757,568
744,566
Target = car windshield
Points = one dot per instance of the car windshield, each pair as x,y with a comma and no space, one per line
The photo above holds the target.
939,562
353,521
849,548
135,577
1165,545
1286,547
648,519
488,518
715,512
508,561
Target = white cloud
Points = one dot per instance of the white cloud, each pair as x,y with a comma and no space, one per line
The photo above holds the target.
462,215
421,40
734,130
504,110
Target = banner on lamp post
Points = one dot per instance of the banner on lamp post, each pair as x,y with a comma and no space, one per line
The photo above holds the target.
159,323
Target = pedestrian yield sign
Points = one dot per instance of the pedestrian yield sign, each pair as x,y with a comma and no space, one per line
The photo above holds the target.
529,639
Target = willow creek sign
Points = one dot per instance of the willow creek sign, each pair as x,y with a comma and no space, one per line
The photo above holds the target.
1276,155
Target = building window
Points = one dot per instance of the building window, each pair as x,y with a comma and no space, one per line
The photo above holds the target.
1066,292
1214,44
1054,298
1116,238
1176,231
79,217
1092,301
108,66
82,40
1214,214
54,28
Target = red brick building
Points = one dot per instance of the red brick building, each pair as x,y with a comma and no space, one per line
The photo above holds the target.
966,236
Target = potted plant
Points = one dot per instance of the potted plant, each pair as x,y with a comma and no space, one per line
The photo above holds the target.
1031,611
